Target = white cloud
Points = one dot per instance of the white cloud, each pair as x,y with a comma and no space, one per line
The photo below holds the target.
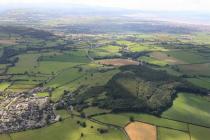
170,5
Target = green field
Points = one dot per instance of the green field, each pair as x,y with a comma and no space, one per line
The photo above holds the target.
78,56
94,110
170,71
2,66
196,69
49,67
201,82
115,119
26,63
170,134
109,49
63,114
199,133
201,38
123,119
42,94
188,56
105,51
21,86
26,82
65,77
153,61
189,108
98,78
70,130
4,137
136,47
88,80
4,85
29,78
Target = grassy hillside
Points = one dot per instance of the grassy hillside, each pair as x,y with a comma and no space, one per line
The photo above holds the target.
189,108
168,134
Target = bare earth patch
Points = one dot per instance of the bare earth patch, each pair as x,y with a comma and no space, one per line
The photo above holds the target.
118,62
8,42
141,131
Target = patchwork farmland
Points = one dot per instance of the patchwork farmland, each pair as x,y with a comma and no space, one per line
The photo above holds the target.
84,84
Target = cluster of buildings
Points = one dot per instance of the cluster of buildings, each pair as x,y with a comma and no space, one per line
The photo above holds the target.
19,112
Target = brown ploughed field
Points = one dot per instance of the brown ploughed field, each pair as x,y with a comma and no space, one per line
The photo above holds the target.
141,131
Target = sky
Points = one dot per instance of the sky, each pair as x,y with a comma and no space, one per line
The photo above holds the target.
147,5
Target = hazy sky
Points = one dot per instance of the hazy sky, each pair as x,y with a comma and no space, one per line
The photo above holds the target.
155,5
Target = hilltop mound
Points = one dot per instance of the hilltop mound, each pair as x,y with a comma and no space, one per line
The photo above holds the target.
135,88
